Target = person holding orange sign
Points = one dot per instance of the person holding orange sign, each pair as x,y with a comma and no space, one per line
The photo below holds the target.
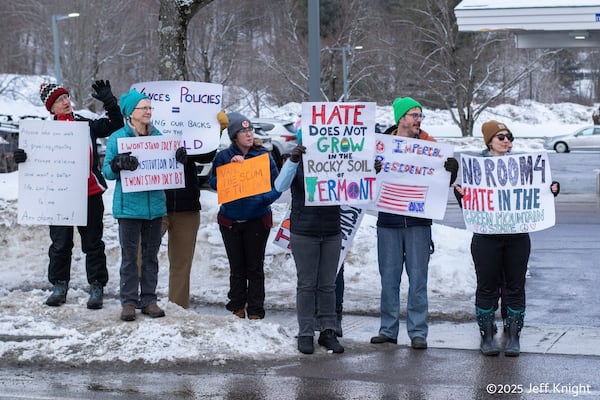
245,223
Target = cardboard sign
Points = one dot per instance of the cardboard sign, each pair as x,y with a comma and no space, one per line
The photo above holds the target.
53,182
339,159
413,180
238,180
508,194
158,169
188,110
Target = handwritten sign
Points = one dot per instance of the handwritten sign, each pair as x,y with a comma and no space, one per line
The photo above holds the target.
338,164
188,110
238,180
158,169
350,219
508,194
413,180
53,181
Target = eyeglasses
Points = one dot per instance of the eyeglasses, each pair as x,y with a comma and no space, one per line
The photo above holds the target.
502,136
416,116
145,109
63,97
246,130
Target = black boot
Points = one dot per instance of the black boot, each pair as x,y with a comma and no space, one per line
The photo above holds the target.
485,320
514,322
59,294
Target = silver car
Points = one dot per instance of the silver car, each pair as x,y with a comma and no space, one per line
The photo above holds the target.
587,138
283,136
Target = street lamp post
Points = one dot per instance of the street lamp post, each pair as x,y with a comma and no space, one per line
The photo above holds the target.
57,68
344,50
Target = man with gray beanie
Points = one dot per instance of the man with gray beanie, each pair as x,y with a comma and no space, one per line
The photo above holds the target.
406,241
58,103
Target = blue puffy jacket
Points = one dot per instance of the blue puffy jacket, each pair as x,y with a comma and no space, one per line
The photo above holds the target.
135,205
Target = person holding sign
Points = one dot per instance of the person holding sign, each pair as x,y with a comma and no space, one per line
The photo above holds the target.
58,103
316,243
139,213
500,259
406,240
245,220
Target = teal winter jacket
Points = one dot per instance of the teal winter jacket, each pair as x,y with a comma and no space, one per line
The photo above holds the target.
136,205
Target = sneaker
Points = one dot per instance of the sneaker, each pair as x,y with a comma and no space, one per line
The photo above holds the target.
328,339
418,343
128,312
306,345
240,313
59,294
153,311
383,339
96,295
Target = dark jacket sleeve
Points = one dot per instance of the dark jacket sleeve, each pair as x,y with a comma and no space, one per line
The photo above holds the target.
103,127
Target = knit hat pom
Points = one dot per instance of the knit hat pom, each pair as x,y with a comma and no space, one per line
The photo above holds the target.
50,92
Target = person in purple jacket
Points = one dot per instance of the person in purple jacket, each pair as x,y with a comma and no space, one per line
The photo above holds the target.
245,224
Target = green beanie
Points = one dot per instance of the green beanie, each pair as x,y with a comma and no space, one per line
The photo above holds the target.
402,105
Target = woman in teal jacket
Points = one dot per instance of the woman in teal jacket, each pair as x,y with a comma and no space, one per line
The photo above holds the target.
139,213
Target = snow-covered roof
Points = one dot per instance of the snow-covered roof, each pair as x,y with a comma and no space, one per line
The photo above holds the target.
537,23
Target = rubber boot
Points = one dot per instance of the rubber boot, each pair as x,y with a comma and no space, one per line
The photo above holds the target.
514,322
485,319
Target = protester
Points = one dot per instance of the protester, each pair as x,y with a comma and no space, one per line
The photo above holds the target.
245,224
139,213
405,240
500,259
58,103
316,242
182,222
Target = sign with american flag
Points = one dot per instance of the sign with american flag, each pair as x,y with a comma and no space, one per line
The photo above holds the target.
413,180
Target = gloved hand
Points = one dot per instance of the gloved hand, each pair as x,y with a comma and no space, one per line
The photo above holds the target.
451,165
19,156
554,189
181,155
377,166
223,120
296,153
103,92
124,161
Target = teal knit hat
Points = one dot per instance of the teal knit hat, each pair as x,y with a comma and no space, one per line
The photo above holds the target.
129,100
402,105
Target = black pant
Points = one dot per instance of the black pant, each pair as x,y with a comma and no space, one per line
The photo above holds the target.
497,257
245,244
59,268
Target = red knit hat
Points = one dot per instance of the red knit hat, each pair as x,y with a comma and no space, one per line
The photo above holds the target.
49,92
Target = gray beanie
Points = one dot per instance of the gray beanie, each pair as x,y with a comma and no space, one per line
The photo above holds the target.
237,122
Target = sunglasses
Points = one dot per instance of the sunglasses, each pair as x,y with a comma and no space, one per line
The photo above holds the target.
502,136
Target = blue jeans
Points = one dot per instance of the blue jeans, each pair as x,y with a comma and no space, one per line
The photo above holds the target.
316,260
130,232
397,247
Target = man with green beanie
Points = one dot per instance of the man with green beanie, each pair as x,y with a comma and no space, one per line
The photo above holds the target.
405,240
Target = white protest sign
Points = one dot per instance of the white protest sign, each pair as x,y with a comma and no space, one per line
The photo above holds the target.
338,164
508,194
53,182
188,110
350,218
413,180
157,167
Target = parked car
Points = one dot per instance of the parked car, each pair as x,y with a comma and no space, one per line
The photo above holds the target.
203,170
9,139
586,138
283,135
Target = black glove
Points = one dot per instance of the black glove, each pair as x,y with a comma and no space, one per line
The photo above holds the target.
104,93
553,182
377,166
296,153
19,156
124,161
451,165
181,155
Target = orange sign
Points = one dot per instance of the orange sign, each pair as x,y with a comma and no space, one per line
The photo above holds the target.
238,180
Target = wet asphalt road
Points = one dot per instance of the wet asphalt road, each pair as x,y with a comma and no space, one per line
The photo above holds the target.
562,290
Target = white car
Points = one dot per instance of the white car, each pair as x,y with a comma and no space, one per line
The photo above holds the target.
587,138
283,136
